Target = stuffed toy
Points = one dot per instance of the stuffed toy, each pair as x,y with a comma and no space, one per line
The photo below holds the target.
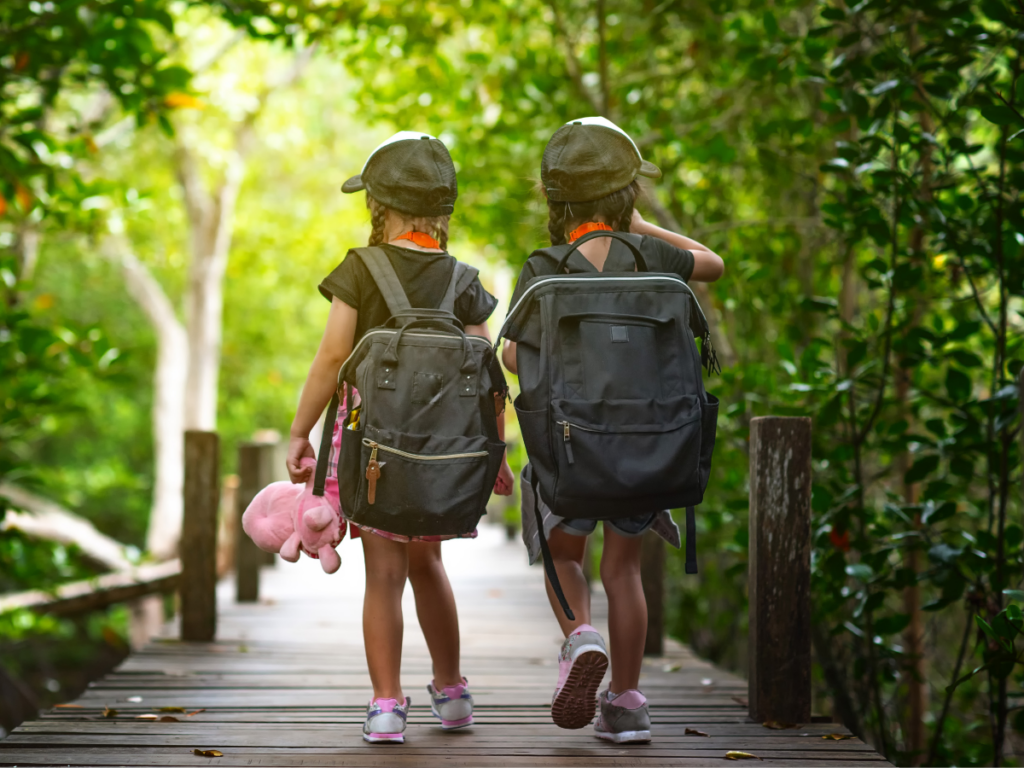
287,518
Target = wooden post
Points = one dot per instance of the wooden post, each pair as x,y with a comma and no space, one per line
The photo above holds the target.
652,575
780,569
198,584
255,468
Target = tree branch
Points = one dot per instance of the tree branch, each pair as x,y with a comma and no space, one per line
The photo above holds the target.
572,63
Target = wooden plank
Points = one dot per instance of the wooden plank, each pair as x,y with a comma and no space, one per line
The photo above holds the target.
198,588
255,469
101,592
652,576
779,566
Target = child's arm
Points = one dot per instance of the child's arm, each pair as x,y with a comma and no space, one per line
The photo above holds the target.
707,265
503,483
321,383
508,356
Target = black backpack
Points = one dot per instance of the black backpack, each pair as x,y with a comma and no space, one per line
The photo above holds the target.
420,453
612,408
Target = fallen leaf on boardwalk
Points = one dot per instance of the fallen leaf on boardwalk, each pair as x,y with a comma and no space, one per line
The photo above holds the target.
195,713
741,701
775,725
148,717
837,736
67,706
672,667
169,719
707,681
169,709
734,755
108,712
134,699
243,649
208,752
694,732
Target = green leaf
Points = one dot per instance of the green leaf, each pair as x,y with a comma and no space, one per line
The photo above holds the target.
771,25
1014,594
998,114
833,14
891,625
1013,535
958,385
944,553
921,469
860,571
985,627
884,87
966,359
933,515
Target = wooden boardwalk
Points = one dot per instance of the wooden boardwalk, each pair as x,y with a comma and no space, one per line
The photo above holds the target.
285,684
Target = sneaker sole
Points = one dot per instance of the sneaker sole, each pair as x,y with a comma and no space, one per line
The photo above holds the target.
625,737
575,704
384,738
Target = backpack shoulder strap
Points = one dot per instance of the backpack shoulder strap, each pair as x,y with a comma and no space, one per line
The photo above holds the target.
462,276
384,275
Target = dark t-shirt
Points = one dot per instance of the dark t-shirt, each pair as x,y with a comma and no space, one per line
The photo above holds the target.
423,275
660,257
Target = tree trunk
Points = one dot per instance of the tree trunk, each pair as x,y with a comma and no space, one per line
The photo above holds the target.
210,220
168,402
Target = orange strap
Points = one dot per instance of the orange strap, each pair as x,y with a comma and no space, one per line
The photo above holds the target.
590,226
422,239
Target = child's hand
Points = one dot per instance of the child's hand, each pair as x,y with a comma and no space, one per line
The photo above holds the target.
299,448
505,480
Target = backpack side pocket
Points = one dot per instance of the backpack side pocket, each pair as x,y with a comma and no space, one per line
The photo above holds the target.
708,427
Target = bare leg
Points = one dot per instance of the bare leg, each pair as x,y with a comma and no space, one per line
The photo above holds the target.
567,552
627,608
387,565
435,607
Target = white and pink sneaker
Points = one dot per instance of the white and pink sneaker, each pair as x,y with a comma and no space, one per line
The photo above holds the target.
385,721
581,667
452,705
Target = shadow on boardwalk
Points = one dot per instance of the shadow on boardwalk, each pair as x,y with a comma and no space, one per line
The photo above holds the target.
286,685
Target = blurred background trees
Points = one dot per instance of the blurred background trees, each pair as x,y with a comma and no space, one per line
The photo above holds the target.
858,166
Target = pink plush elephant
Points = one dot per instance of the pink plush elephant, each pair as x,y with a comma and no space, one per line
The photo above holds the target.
287,518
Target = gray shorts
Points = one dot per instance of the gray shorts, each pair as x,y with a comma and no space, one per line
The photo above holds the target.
659,522
624,526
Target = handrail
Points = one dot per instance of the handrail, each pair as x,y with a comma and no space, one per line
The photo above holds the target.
99,592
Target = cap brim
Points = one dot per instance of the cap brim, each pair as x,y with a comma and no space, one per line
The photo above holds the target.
355,184
649,169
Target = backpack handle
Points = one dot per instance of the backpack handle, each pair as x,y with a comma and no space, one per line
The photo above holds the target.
390,356
641,263
411,315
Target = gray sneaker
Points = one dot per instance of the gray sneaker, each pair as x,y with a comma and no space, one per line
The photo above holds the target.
452,705
385,721
581,667
625,718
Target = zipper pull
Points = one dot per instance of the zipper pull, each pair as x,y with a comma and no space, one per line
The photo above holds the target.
566,442
372,473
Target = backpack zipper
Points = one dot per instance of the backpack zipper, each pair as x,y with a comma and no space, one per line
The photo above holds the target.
373,467
420,456
567,438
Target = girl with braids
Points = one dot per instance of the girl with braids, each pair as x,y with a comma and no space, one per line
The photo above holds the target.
410,189
589,175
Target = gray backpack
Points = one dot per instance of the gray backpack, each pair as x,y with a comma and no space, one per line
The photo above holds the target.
612,408
420,452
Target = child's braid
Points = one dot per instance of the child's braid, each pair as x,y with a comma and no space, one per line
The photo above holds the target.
441,231
377,212
556,222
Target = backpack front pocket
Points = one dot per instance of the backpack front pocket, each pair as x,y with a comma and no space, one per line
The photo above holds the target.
417,485
650,457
